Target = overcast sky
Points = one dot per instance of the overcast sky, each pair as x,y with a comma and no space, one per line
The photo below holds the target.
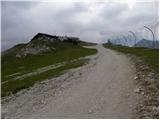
90,21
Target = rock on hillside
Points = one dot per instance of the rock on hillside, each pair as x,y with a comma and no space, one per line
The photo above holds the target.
39,44
42,43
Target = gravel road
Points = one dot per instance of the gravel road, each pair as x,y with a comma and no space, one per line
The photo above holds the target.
104,88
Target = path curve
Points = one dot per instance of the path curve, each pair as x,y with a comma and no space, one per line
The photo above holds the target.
101,89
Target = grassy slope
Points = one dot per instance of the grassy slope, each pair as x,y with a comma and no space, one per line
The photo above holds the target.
11,65
82,43
150,56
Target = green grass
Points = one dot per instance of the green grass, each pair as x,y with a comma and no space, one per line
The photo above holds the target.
14,86
150,56
87,44
11,64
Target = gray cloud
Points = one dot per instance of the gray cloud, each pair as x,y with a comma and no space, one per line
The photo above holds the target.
112,10
91,21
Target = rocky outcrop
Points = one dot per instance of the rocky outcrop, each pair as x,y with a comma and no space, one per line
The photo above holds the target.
33,50
42,43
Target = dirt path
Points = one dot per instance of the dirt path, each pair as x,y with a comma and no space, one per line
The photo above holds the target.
102,89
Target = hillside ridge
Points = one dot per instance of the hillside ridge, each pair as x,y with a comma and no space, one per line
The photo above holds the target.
42,43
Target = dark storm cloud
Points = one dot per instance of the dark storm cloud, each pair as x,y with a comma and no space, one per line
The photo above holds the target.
91,21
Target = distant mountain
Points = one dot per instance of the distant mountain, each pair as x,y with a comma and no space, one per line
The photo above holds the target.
42,43
147,44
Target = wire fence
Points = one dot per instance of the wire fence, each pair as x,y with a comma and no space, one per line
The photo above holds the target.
144,36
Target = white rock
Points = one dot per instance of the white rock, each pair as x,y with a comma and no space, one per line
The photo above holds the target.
90,111
136,90
142,93
43,102
135,78
18,55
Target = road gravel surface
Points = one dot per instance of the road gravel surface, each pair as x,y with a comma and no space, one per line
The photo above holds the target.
104,88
